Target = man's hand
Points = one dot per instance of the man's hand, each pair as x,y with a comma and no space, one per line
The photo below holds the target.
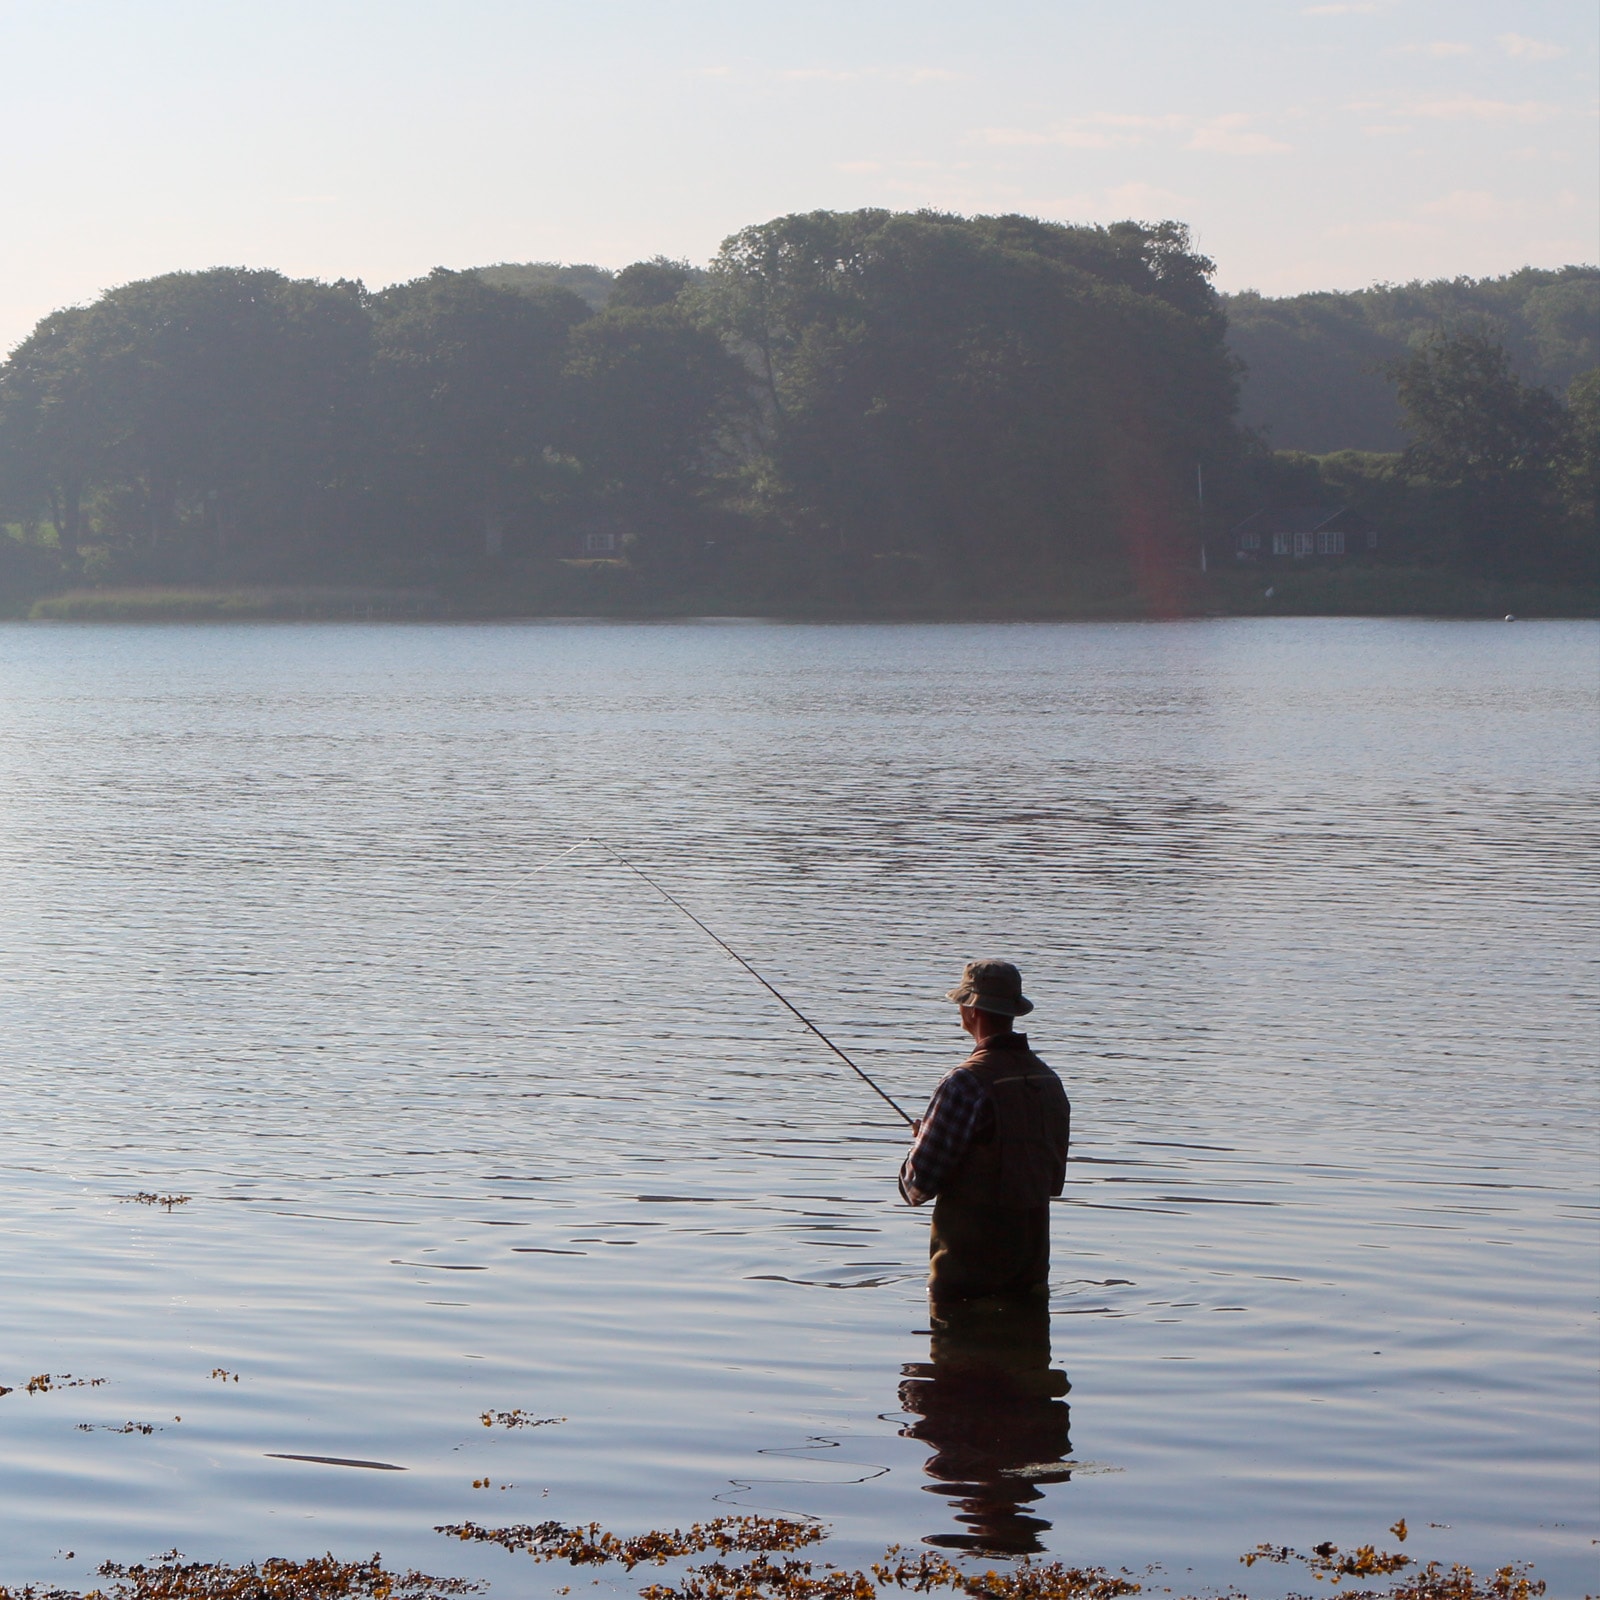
916,1126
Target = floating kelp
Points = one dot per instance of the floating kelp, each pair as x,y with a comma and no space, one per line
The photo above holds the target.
144,1198
224,1375
1433,1581
322,1578
758,1579
1328,1560
922,1572
44,1383
169,1577
517,1419
1030,1580
554,1541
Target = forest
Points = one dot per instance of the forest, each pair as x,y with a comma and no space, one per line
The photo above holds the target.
868,412
1315,365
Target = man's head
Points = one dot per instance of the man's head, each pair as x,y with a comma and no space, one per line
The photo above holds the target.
990,995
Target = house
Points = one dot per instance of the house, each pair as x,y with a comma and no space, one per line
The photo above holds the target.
1300,531
598,542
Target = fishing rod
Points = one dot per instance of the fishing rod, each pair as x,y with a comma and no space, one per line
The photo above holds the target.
782,1000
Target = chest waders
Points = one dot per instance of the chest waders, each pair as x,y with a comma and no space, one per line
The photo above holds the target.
991,1217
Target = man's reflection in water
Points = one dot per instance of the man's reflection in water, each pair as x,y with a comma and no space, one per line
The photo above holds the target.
991,1406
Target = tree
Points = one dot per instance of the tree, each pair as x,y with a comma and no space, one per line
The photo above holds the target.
469,388
208,413
656,282
1581,477
998,399
1495,441
655,400
54,432
1315,363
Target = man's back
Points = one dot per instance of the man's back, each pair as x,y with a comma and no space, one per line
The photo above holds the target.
991,1150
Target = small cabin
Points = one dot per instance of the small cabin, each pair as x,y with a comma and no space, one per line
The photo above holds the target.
597,543
1302,531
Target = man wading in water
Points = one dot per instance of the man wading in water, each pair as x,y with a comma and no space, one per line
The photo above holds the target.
990,1151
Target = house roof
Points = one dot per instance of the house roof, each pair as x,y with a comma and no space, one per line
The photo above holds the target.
1296,519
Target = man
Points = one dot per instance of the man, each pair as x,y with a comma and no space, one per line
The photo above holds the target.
990,1151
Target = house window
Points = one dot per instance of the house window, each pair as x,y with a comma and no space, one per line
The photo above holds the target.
1249,541
599,544
1304,544
1330,542
1280,544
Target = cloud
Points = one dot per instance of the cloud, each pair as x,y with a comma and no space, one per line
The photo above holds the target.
1353,8
1523,48
1387,130
869,74
1230,136
1072,138
1470,205
1100,130
1125,119
1397,228
1142,197
1435,47
1117,130
1480,110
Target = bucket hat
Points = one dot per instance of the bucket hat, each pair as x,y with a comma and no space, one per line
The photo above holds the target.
991,986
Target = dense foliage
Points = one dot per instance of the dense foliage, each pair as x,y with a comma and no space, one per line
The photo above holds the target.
1316,364
872,409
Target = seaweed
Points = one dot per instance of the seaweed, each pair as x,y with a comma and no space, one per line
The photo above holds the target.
758,1579
517,1419
921,1572
1434,1581
592,1545
1045,1580
321,1578
171,1577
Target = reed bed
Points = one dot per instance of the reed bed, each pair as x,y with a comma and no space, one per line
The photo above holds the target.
234,604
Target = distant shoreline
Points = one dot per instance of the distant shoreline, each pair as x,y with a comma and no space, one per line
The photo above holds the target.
1351,592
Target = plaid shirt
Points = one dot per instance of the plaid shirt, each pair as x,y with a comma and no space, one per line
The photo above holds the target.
959,1113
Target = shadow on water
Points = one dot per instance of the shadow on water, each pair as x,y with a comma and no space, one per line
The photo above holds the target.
991,1406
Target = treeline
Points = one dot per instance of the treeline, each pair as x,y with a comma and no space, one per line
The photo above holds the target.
1316,366
1500,479
870,409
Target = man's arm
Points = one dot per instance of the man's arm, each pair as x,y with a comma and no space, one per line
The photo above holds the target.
944,1135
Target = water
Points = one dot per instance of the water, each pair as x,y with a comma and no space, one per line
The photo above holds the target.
1307,913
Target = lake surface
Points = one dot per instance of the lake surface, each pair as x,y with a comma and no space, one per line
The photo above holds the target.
1308,912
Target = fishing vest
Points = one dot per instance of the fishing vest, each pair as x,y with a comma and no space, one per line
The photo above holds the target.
1024,1162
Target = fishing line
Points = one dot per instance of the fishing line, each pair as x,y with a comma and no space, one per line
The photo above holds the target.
782,1000
500,894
